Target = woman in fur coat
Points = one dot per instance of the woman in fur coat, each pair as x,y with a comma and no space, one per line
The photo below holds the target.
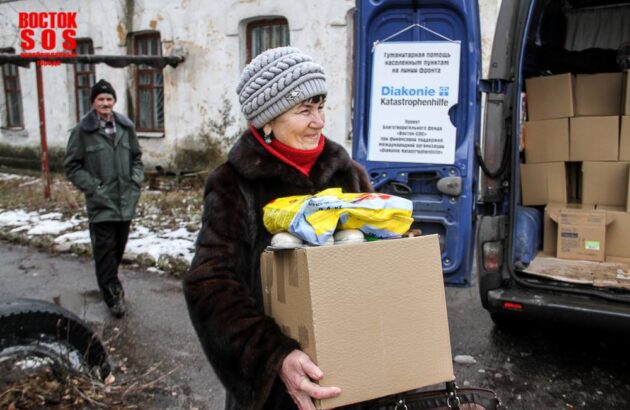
284,153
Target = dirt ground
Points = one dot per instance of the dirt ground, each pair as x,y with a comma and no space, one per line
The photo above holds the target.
141,378
172,199
155,356
167,205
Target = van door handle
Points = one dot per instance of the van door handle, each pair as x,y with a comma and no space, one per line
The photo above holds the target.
450,186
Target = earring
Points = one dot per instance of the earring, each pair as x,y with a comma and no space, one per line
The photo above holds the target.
267,136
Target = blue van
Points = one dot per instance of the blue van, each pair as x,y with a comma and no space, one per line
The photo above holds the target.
417,130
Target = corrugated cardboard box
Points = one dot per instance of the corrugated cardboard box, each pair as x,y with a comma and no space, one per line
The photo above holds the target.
582,235
626,94
371,315
550,229
550,97
598,94
605,183
543,183
574,181
594,138
617,234
550,224
624,139
547,141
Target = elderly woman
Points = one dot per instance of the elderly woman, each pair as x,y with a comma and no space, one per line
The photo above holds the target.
282,94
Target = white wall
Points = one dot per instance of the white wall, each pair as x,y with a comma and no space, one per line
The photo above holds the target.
211,36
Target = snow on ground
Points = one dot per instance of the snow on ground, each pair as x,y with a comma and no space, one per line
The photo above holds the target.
78,237
37,224
10,177
31,182
174,242
17,218
156,245
51,227
178,242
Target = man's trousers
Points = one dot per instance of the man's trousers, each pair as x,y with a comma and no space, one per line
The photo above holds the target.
108,245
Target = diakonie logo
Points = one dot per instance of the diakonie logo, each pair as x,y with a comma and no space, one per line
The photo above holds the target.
47,31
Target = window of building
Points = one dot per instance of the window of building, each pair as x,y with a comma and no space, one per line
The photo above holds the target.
83,78
265,34
12,93
149,85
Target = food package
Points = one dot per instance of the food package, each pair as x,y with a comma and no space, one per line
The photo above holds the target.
314,218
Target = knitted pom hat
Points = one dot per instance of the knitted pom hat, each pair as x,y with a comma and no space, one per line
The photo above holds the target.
277,80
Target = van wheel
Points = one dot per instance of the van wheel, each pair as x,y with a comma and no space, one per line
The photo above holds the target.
38,335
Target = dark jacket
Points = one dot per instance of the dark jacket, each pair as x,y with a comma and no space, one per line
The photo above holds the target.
108,172
222,288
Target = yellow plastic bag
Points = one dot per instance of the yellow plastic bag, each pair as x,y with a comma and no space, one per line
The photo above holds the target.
314,218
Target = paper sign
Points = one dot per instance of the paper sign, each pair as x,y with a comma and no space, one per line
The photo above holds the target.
414,84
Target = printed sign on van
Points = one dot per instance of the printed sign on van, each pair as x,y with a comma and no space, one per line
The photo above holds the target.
414,84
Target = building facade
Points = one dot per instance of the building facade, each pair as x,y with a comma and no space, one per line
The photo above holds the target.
185,110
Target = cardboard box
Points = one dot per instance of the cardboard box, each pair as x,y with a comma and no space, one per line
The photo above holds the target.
550,228
594,139
624,139
550,224
617,234
605,183
543,183
550,97
598,94
574,181
582,235
547,141
371,315
626,94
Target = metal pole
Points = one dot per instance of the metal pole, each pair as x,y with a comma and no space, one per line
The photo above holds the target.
42,130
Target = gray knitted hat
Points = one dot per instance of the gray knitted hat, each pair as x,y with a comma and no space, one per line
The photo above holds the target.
277,80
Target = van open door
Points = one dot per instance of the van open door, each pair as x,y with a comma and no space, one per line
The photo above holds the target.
417,112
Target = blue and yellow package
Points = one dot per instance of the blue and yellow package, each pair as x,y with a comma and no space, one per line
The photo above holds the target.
314,218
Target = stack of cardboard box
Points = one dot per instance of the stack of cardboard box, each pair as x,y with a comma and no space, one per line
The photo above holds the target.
577,157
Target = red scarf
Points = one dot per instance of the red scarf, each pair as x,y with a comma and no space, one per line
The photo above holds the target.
300,159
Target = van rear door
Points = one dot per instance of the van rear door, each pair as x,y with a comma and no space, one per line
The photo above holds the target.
417,111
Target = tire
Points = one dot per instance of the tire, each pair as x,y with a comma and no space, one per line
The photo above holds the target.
35,333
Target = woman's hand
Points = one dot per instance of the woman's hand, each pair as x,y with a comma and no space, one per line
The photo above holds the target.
297,373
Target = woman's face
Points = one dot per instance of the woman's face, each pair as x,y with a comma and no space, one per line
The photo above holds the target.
301,126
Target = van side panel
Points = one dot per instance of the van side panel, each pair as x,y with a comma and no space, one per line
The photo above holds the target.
436,208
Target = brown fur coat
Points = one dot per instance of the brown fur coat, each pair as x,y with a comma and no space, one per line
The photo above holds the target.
222,288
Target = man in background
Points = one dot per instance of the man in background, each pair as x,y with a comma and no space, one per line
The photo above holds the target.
103,160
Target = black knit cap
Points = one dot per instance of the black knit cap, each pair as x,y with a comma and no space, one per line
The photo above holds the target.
102,87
